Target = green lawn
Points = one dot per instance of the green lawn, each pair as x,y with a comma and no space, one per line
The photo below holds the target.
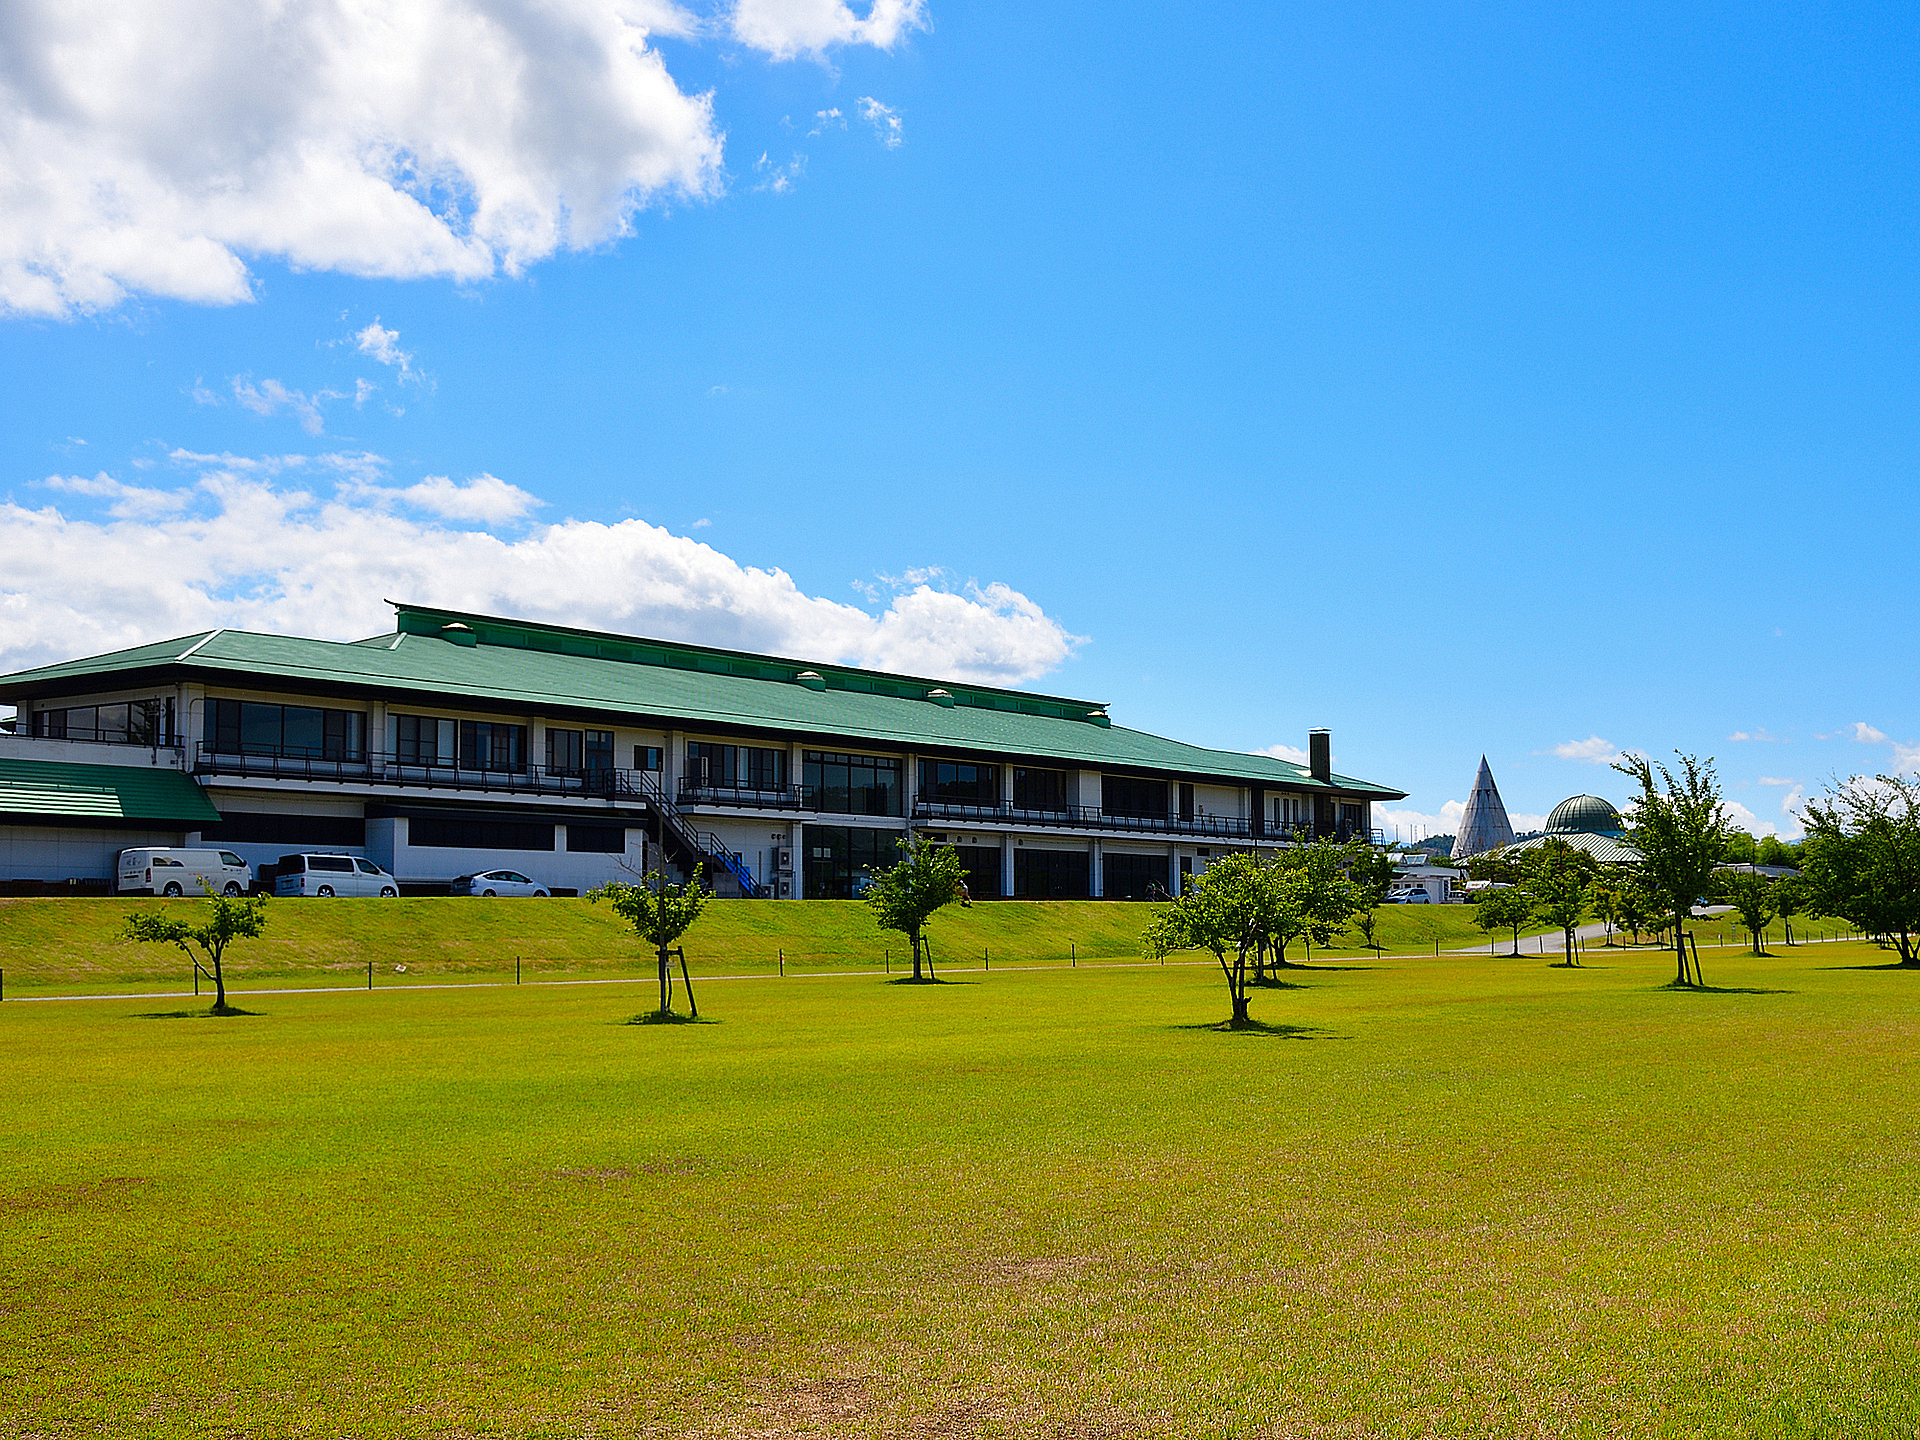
1454,1197
73,946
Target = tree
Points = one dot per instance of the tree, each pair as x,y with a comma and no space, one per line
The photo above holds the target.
1228,908
1752,898
1789,899
1310,896
1503,909
1557,877
660,914
906,895
1604,895
1861,858
1679,826
1633,905
229,920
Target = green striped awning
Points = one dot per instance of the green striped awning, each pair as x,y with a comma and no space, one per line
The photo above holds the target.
55,790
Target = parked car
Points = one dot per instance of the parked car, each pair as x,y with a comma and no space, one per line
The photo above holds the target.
1415,896
167,871
500,882
325,876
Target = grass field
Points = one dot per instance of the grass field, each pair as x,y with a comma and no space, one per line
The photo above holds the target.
68,946
1453,1197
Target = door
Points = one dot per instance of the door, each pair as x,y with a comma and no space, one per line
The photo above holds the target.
367,879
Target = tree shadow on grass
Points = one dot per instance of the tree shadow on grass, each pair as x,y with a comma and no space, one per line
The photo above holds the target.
1260,1027
654,1017
1676,986
207,1014
1274,982
1888,965
1312,968
927,980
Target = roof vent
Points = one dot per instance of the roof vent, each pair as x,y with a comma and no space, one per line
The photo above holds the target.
941,697
812,679
1100,717
458,633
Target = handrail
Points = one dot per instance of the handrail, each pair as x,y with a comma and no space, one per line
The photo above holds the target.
380,768
701,842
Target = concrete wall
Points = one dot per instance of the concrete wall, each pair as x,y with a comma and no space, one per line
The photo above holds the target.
558,868
54,853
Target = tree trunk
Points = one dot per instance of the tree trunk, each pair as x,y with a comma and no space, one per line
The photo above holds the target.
1680,944
914,936
666,994
219,984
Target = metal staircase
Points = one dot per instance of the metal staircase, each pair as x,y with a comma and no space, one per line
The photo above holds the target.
690,847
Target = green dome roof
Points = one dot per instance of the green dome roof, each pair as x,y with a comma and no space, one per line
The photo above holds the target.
1584,815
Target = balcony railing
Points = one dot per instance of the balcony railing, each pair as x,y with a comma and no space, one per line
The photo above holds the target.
376,768
792,797
1086,817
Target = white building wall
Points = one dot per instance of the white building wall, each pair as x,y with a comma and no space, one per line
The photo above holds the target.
54,853
558,868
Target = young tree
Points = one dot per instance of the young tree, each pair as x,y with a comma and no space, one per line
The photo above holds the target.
1789,900
660,914
1752,898
1225,909
1679,826
1505,909
1634,906
906,895
1861,859
229,920
1557,879
1310,896
1604,895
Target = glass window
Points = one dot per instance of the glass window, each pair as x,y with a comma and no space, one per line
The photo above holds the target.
422,740
843,784
564,751
1134,877
959,782
601,839
1049,874
596,751
839,856
981,866
735,767
1039,789
490,745
1129,795
366,867
646,757
253,727
463,834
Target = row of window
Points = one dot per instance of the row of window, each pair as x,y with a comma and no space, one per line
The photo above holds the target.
126,722
838,857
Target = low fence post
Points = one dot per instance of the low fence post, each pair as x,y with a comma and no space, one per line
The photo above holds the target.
369,974
783,964
516,969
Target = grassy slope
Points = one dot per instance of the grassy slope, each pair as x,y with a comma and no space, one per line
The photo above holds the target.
56,945
1464,1197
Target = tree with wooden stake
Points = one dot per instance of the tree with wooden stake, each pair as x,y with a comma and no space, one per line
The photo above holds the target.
1752,898
1861,862
1678,823
1225,909
660,914
228,921
904,896
1310,898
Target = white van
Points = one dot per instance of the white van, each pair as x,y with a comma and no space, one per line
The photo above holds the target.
326,876
165,871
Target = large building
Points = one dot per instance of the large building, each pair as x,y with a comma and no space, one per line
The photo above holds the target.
458,742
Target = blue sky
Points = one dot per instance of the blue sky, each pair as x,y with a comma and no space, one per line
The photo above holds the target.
1534,382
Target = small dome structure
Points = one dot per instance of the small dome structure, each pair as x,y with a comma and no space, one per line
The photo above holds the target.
1584,815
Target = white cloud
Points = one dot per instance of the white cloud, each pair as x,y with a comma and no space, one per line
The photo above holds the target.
785,29
1292,754
309,545
150,145
1865,734
1906,759
1791,802
1413,825
1761,736
383,345
1775,780
1593,750
778,178
270,397
884,119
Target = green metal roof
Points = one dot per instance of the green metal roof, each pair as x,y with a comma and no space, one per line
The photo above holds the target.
55,790
494,663
1606,849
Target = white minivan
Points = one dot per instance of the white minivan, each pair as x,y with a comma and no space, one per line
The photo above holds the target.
326,876
166,871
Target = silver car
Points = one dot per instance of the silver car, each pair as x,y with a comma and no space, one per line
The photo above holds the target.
500,882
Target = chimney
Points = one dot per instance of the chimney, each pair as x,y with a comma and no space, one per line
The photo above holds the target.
1320,754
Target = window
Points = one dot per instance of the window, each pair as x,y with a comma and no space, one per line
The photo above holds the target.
228,858
959,782
1039,789
1133,877
490,745
597,839
238,827
839,855
852,784
735,767
1349,820
126,722
447,833
564,752
596,751
982,869
1186,800
299,732
1291,813
1127,795
366,867
1050,874
422,740
646,757
333,864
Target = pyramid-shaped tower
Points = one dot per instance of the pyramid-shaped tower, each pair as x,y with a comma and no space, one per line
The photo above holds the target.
1485,825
